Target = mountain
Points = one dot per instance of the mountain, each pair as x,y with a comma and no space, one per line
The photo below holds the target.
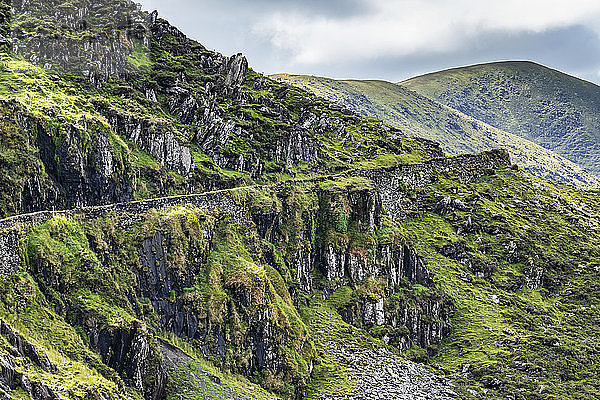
557,111
147,112
457,133
177,226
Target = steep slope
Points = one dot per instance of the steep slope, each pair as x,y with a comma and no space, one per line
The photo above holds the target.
457,133
115,104
557,111
320,255
463,263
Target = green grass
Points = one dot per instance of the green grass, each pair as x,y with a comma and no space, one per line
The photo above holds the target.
552,109
77,367
538,339
140,58
457,133
503,325
331,375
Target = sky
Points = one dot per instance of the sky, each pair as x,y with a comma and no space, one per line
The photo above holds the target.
392,39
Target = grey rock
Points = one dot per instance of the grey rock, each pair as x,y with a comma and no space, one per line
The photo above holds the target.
25,348
238,68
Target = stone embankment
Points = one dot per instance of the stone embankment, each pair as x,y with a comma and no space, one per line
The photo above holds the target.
13,228
391,186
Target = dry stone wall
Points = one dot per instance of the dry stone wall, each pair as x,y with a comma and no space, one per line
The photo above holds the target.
391,185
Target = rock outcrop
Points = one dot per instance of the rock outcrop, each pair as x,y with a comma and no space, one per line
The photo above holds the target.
134,354
382,374
71,42
162,115
11,378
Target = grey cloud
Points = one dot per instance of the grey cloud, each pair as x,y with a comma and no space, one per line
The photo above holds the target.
575,50
330,8
226,27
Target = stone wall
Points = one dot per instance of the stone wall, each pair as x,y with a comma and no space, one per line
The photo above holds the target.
391,185
14,228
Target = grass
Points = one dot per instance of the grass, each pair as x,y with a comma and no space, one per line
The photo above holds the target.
533,102
62,249
502,322
421,115
77,367
190,380
331,376
505,323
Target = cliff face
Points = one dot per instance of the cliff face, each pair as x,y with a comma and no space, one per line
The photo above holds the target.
135,109
301,248
244,275
230,280
92,38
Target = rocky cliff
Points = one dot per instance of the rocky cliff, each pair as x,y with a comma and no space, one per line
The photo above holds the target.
135,109
240,274
178,226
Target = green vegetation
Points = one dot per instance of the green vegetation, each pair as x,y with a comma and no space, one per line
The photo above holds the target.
522,300
273,289
149,101
554,110
457,130
519,282
331,332
100,295
78,368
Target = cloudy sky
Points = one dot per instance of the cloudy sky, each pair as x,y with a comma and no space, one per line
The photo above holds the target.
393,39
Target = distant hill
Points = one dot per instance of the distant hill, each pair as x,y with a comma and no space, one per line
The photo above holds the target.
417,115
553,109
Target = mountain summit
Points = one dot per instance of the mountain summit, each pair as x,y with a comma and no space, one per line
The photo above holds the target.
555,110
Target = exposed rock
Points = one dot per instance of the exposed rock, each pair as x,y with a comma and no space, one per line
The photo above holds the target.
24,348
237,70
304,266
10,259
134,354
158,142
373,313
8,375
11,378
457,251
334,263
448,204
83,50
381,374
164,286
393,187
205,382
75,173
105,158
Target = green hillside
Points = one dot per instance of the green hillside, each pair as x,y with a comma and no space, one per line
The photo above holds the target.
101,115
176,226
555,110
457,133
